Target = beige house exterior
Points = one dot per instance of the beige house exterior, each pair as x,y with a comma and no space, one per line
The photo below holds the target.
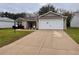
49,20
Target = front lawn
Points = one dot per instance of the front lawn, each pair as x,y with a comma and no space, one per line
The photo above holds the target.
8,36
74,33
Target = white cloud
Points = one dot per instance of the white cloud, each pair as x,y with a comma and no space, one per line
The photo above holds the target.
29,11
42,4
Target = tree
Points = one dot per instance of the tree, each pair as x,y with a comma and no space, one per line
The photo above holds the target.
46,9
12,15
69,17
1,14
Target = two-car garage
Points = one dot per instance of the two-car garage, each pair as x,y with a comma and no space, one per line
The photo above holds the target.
51,21
51,24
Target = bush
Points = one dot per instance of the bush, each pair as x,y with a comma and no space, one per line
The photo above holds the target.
18,27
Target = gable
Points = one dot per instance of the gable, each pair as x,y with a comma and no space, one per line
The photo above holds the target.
50,15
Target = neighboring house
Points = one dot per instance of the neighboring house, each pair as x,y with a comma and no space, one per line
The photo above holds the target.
75,20
49,20
6,22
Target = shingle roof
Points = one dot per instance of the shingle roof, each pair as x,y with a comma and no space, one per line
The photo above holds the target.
57,14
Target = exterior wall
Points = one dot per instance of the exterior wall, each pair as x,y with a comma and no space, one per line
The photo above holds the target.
64,23
6,24
24,23
37,24
51,24
75,21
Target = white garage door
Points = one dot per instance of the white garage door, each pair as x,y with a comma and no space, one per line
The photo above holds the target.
51,24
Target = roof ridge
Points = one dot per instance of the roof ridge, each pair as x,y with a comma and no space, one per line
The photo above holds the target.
53,13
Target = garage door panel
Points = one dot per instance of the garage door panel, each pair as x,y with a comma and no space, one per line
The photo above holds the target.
51,24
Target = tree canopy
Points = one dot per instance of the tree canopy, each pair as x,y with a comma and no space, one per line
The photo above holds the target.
13,15
46,8
69,17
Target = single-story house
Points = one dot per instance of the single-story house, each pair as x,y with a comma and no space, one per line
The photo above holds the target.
49,20
6,22
75,20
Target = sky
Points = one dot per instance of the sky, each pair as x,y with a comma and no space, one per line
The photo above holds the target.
34,7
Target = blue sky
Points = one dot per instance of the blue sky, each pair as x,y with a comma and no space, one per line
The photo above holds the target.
34,7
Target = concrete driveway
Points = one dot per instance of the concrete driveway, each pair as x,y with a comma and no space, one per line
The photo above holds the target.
50,42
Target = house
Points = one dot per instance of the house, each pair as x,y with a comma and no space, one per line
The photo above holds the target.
27,22
49,20
6,22
75,20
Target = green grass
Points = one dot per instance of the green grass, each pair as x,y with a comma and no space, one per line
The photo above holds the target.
8,36
74,33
